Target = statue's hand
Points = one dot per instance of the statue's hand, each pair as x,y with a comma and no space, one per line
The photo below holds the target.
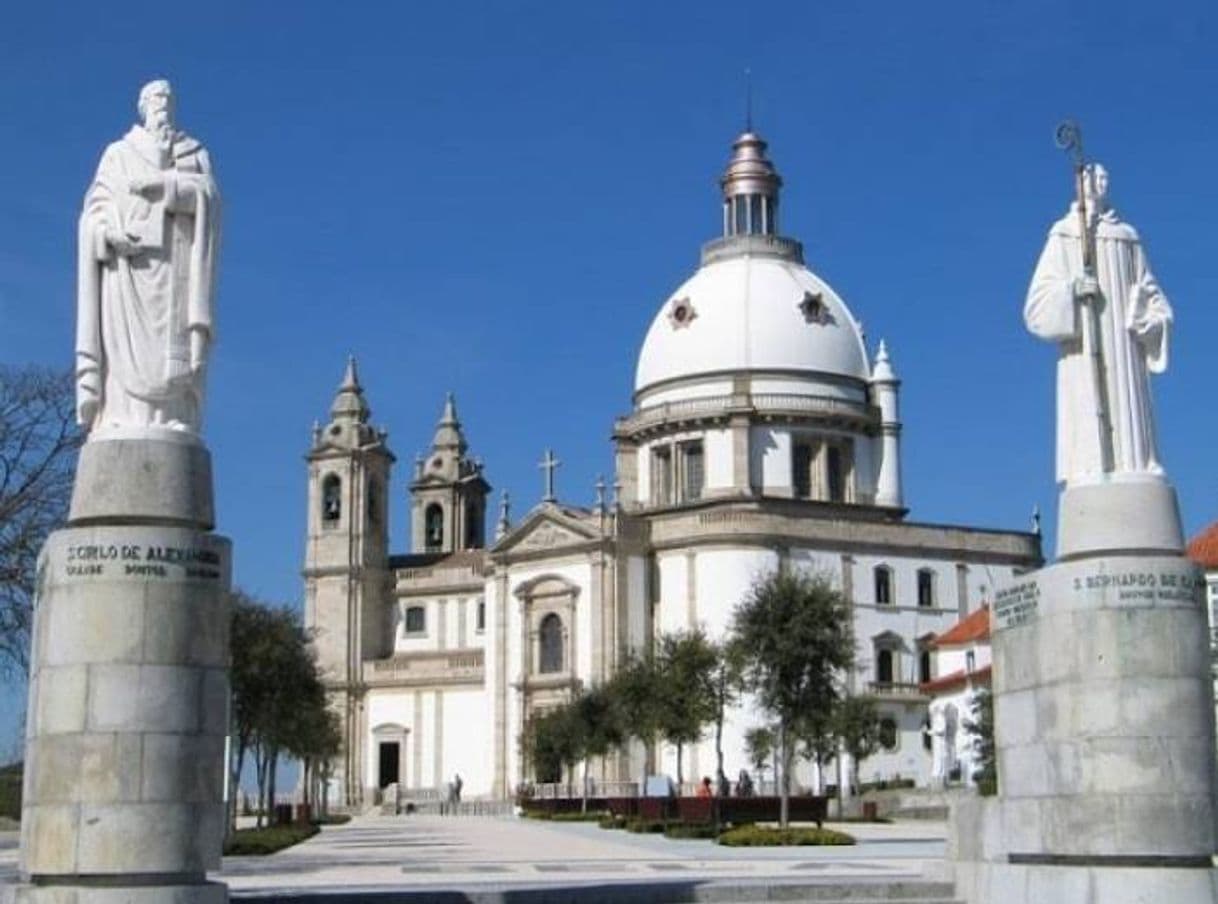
149,188
88,397
123,245
1086,287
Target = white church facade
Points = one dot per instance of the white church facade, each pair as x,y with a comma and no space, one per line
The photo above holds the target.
762,434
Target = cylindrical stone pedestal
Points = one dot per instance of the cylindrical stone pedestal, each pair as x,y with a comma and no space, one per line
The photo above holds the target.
125,762
1104,729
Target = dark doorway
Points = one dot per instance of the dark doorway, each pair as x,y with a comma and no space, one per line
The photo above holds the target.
389,763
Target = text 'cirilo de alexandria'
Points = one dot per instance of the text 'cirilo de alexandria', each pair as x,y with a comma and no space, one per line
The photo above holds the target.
147,245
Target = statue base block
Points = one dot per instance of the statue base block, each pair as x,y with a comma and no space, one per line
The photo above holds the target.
128,714
166,479
1136,514
1104,731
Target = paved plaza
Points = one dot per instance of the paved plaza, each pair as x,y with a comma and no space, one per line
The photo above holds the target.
433,853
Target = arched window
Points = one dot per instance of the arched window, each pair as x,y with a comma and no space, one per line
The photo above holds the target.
331,499
433,527
926,587
888,733
416,620
473,525
551,643
883,585
883,666
480,622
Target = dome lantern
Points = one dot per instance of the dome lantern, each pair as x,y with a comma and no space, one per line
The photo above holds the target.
750,189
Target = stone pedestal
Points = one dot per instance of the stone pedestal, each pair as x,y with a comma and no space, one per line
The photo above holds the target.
124,766
1104,727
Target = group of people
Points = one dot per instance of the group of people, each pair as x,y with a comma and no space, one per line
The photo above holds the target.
723,788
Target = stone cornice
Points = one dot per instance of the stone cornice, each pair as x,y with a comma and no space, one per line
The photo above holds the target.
771,523
766,407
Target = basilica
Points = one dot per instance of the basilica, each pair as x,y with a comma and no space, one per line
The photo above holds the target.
763,434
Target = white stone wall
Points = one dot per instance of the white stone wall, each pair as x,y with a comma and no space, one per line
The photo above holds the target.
717,459
444,626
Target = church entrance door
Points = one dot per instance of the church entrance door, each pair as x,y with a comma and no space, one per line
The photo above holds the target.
389,755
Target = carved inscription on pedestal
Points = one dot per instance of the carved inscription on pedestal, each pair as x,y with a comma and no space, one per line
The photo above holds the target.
137,560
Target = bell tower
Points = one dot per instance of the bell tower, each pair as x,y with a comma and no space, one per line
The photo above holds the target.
346,562
448,493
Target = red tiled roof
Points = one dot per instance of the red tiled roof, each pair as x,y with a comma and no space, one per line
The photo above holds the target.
969,629
956,679
1203,548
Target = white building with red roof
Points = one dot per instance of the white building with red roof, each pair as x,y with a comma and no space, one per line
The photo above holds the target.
961,666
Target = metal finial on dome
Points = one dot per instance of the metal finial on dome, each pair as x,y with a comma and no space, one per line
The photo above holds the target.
748,99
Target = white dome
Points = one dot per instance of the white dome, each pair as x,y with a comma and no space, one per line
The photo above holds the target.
751,313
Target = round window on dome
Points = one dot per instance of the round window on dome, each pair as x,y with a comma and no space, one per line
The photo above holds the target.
681,313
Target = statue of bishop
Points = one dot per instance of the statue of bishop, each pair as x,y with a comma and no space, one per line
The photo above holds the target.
149,234
1094,295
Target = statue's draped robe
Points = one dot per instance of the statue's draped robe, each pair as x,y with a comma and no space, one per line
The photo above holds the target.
135,313
1133,320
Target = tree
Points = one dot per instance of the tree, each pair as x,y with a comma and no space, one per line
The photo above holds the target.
817,742
981,727
794,631
277,692
321,741
554,741
725,690
636,689
38,444
759,747
600,727
685,669
856,723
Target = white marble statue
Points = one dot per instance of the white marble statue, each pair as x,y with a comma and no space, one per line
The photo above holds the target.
148,239
1112,329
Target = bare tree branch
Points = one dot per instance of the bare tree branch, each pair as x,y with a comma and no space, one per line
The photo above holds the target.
38,444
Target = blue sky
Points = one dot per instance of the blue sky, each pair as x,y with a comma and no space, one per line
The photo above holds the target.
495,199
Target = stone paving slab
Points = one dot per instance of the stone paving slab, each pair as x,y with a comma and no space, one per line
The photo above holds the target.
384,856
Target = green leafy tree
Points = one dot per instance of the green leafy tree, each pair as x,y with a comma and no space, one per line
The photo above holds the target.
759,747
277,692
685,669
600,726
794,631
636,690
981,727
817,742
38,444
725,691
856,723
555,742
319,744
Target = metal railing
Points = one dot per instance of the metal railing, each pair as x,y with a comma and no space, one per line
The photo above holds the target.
563,791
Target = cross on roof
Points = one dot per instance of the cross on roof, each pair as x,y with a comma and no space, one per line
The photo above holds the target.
549,464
